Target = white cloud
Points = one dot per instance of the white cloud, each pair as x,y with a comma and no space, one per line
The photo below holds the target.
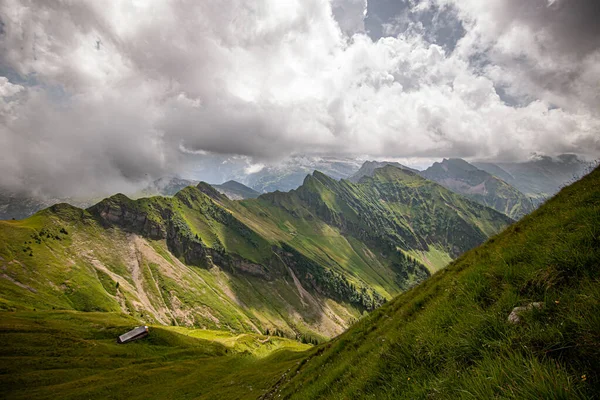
116,89
350,15
8,89
254,168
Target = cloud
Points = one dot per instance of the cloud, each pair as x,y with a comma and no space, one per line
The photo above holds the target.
538,49
8,89
438,23
350,15
105,95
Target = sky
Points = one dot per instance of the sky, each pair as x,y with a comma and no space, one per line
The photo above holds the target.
98,95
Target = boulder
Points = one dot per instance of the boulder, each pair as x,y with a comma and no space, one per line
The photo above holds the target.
515,316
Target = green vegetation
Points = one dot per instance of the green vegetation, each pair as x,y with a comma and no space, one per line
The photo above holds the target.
307,263
74,355
450,337
211,275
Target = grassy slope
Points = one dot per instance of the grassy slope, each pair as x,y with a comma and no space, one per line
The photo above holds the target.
73,355
80,269
449,336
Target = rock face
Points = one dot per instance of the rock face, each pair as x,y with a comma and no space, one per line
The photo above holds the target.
136,220
515,316
158,221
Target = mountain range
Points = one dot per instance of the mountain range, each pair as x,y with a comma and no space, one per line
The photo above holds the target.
169,186
536,179
306,262
539,178
480,186
290,174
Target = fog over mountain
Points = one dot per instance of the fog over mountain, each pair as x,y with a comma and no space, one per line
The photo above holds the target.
101,97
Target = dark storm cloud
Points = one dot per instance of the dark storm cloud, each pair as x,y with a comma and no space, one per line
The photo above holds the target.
572,26
548,49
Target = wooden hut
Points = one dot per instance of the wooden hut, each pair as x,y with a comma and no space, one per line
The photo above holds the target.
134,334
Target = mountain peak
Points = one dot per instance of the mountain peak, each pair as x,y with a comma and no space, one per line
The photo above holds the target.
232,184
209,190
236,190
368,169
459,163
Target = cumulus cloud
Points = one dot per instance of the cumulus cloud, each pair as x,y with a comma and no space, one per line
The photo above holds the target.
103,95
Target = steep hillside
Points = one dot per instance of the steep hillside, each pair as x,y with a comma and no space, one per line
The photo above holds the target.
156,270
307,263
451,336
480,186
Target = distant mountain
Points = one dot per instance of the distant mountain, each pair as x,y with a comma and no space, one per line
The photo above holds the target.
285,176
19,206
167,186
368,169
540,178
236,191
480,186
290,174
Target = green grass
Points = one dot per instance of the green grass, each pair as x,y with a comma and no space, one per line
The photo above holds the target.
449,337
435,258
74,355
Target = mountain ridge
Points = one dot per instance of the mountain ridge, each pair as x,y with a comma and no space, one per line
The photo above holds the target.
452,335
306,250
